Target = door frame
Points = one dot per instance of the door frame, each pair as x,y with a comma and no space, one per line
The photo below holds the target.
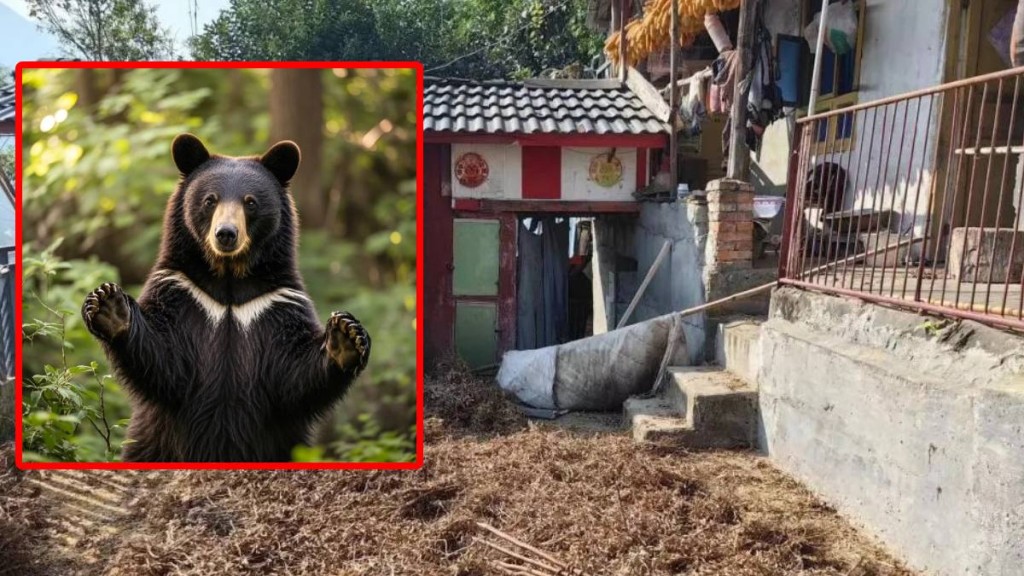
506,299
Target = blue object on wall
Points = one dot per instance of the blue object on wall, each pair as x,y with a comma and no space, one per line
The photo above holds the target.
790,56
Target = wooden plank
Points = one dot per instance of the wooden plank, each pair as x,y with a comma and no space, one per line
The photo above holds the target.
572,83
647,140
647,280
562,206
648,94
438,307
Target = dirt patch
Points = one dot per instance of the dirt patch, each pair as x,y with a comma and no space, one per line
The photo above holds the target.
24,521
458,403
598,502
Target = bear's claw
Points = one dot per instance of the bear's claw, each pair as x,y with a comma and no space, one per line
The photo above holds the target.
106,312
348,343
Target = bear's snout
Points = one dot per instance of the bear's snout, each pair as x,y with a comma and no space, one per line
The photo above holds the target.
227,237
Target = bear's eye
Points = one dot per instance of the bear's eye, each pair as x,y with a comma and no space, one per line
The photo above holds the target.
250,202
209,201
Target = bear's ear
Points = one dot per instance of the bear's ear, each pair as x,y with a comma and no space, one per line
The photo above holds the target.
189,153
282,160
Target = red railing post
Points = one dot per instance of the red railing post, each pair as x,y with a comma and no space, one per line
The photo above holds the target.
790,206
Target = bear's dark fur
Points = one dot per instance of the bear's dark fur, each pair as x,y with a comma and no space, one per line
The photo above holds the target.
222,354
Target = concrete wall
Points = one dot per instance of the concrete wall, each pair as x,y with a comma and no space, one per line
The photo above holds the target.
614,269
678,283
916,434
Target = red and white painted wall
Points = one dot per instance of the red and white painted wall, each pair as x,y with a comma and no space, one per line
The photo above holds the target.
514,172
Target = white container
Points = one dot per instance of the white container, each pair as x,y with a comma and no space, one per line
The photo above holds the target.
717,32
682,191
768,207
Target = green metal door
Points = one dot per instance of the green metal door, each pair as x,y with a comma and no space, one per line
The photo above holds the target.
475,337
476,258
475,287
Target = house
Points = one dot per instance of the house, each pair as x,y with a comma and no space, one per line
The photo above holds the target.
888,370
510,169
7,110
7,115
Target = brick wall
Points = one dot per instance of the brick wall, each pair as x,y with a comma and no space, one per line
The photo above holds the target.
730,242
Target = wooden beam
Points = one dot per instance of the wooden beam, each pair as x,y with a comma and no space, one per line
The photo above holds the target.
648,94
573,83
739,154
622,41
578,139
647,280
545,206
673,98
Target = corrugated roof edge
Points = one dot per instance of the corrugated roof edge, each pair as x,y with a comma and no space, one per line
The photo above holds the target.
595,84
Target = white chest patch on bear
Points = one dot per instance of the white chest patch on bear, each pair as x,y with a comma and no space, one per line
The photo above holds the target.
245,314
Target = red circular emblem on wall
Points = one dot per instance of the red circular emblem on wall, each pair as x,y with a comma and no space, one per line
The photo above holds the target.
471,170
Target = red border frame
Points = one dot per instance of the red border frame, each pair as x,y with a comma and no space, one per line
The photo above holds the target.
415,66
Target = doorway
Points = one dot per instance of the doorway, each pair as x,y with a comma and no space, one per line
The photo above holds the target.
554,280
475,289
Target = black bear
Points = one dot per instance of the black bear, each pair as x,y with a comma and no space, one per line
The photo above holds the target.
222,354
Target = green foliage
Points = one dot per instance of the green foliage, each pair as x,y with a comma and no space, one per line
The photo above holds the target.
521,38
119,30
98,174
932,327
7,157
463,38
65,408
288,30
363,443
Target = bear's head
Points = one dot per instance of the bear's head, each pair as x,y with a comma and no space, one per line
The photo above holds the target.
231,206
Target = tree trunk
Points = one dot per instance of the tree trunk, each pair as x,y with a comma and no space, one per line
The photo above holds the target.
85,85
296,113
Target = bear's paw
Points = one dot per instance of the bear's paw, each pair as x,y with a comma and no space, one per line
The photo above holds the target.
106,312
348,343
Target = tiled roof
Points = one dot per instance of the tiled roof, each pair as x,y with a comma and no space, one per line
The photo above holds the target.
7,104
535,107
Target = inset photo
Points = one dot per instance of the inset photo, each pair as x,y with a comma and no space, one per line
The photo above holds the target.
219,266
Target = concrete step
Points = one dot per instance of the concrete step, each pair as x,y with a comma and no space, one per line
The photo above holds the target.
698,407
737,347
654,419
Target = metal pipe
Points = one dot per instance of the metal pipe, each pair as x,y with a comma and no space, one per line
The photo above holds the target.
914,94
984,198
1007,160
940,310
820,46
865,163
970,189
917,199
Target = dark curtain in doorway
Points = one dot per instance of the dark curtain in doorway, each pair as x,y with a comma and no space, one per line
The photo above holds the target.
542,292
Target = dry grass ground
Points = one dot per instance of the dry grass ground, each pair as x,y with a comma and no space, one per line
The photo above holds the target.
597,502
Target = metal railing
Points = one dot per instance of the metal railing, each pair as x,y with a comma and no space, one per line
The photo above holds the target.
914,200
7,359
